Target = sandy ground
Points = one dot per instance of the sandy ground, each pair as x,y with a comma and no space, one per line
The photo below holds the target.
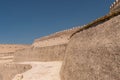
41,71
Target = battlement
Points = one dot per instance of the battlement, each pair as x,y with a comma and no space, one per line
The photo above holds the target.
115,6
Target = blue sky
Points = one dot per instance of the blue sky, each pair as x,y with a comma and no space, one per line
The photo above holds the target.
21,21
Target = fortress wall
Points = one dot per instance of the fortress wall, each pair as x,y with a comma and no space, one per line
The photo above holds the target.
48,48
50,53
7,48
57,38
94,53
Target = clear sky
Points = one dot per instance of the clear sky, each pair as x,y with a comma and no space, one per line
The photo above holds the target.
21,21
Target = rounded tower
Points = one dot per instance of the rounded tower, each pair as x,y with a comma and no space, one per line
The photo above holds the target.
115,6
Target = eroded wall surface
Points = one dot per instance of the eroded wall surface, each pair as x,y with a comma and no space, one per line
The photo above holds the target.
50,53
94,53
48,48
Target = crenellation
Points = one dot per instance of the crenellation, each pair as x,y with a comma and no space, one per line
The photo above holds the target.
115,6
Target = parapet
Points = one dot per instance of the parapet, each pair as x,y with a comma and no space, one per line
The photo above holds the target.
58,34
58,38
115,6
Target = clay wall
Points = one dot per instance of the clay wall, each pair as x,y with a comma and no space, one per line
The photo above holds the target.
94,52
50,53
